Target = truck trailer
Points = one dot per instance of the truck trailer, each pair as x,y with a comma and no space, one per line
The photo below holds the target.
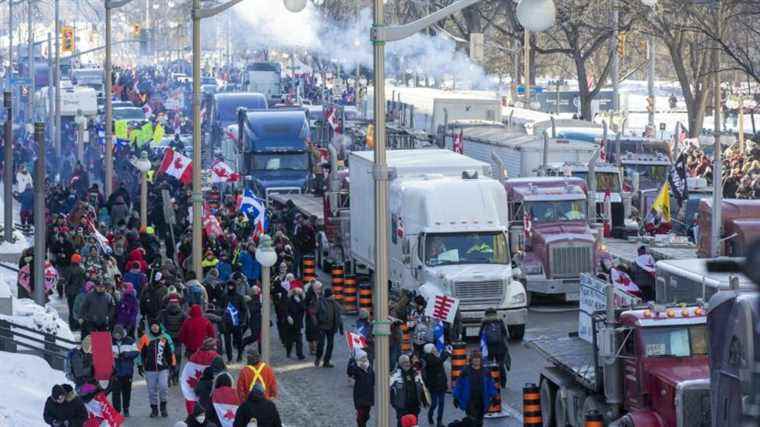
448,232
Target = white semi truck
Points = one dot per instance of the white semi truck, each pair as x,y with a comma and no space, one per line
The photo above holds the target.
448,231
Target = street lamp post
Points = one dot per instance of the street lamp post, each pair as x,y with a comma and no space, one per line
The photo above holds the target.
8,170
143,165
266,256
39,216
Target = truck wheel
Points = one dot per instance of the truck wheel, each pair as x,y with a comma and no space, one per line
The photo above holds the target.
548,390
560,413
516,332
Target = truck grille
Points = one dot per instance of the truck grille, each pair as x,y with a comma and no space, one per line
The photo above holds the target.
570,260
479,293
693,405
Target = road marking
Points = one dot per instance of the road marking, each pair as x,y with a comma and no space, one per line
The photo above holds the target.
294,367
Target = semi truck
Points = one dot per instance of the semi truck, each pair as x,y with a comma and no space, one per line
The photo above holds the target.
558,245
274,147
636,365
688,280
740,227
448,232
265,78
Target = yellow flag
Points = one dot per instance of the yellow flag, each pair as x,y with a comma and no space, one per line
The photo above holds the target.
661,204
121,129
158,134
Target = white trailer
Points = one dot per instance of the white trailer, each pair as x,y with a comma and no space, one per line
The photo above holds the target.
447,110
448,231
521,154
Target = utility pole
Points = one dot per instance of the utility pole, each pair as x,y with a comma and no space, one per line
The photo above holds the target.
615,58
57,77
10,46
39,215
197,186
650,78
716,221
526,71
8,170
381,328
50,85
30,60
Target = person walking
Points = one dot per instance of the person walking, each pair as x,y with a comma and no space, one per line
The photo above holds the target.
235,320
493,333
97,310
195,329
295,316
407,389
434,376
258,407
73,277
360,370
124,353
313,295
205,356
474,389
206,384
154,363
329,321
64,408
172,318
126,309
136,277
254,313
78,366
255,372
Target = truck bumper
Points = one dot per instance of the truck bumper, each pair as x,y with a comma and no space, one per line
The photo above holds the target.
570,288
511,316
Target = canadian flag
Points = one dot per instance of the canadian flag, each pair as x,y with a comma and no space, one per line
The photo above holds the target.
222,172
332,119
623,281
355,341
457,145
191,374
226,405
102,413
177,165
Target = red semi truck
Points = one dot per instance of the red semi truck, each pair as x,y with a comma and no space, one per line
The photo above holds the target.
741,226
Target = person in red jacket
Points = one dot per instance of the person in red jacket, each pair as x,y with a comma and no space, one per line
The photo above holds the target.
137,255
195,329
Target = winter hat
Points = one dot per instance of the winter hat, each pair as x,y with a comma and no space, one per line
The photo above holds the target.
363,313
119,330
258,389
328,292
57,392
208,344
253,357
218,364
128,288
76,259
89,286
409,420
404,360
428,348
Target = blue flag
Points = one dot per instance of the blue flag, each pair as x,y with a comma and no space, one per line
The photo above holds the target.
255,209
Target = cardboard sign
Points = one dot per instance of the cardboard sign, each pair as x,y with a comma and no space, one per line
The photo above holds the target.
593,299
102,355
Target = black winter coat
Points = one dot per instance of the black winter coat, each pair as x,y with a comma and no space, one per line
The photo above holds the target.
296,310
172,318
238,301
72,411
364,385
434,373
263,410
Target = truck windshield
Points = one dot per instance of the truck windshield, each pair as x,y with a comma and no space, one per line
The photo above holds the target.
466,248
129,113
274,162
651,173
557,210
605,181
683,341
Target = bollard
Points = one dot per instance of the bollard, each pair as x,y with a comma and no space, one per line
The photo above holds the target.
594,418
495,407
349,294
365,296
337,282
458,360
532,406
406,341
309,272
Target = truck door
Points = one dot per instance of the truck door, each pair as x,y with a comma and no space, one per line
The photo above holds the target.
631,369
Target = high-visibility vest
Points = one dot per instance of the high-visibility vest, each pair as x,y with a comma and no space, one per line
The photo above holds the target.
257,376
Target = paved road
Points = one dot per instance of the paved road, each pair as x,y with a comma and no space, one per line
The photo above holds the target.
323,396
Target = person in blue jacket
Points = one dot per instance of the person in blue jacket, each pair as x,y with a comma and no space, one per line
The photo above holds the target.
26,200
247,264
125,353
475,389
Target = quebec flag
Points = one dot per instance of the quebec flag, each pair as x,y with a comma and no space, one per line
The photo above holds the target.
255,209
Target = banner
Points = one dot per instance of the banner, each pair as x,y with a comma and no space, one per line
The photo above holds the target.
191,374
102,355
443,308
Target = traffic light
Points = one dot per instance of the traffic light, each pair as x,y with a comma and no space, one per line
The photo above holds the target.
621,44
67,36
136,30
650,104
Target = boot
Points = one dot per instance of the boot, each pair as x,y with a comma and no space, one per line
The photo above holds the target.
153,411
312,347
125,413
164,412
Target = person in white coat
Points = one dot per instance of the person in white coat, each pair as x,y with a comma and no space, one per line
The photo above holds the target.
23,178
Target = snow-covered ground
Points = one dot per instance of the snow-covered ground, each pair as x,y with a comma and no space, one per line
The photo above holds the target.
21,241
27,381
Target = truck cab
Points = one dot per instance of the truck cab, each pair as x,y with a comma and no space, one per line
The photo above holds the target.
274,146
558,245
740,227
224,111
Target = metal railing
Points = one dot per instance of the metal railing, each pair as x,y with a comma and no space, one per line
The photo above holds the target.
50,347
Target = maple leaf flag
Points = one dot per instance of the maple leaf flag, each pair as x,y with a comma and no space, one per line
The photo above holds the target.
177,165
101,413
191,374
355,341
332,119
222,172
226,404
443,308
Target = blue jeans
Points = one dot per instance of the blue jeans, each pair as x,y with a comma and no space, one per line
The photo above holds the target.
436,402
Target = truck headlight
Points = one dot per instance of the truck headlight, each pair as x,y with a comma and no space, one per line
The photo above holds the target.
518,298
531,269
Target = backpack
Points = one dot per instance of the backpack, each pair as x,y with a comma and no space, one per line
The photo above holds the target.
232,314
493,333
194,294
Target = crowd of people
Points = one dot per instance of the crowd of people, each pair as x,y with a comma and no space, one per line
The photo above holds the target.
740,172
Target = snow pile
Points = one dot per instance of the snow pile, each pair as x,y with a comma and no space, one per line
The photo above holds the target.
28,380
20,242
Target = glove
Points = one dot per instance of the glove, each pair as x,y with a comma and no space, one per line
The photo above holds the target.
290,320
141,371
456,403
